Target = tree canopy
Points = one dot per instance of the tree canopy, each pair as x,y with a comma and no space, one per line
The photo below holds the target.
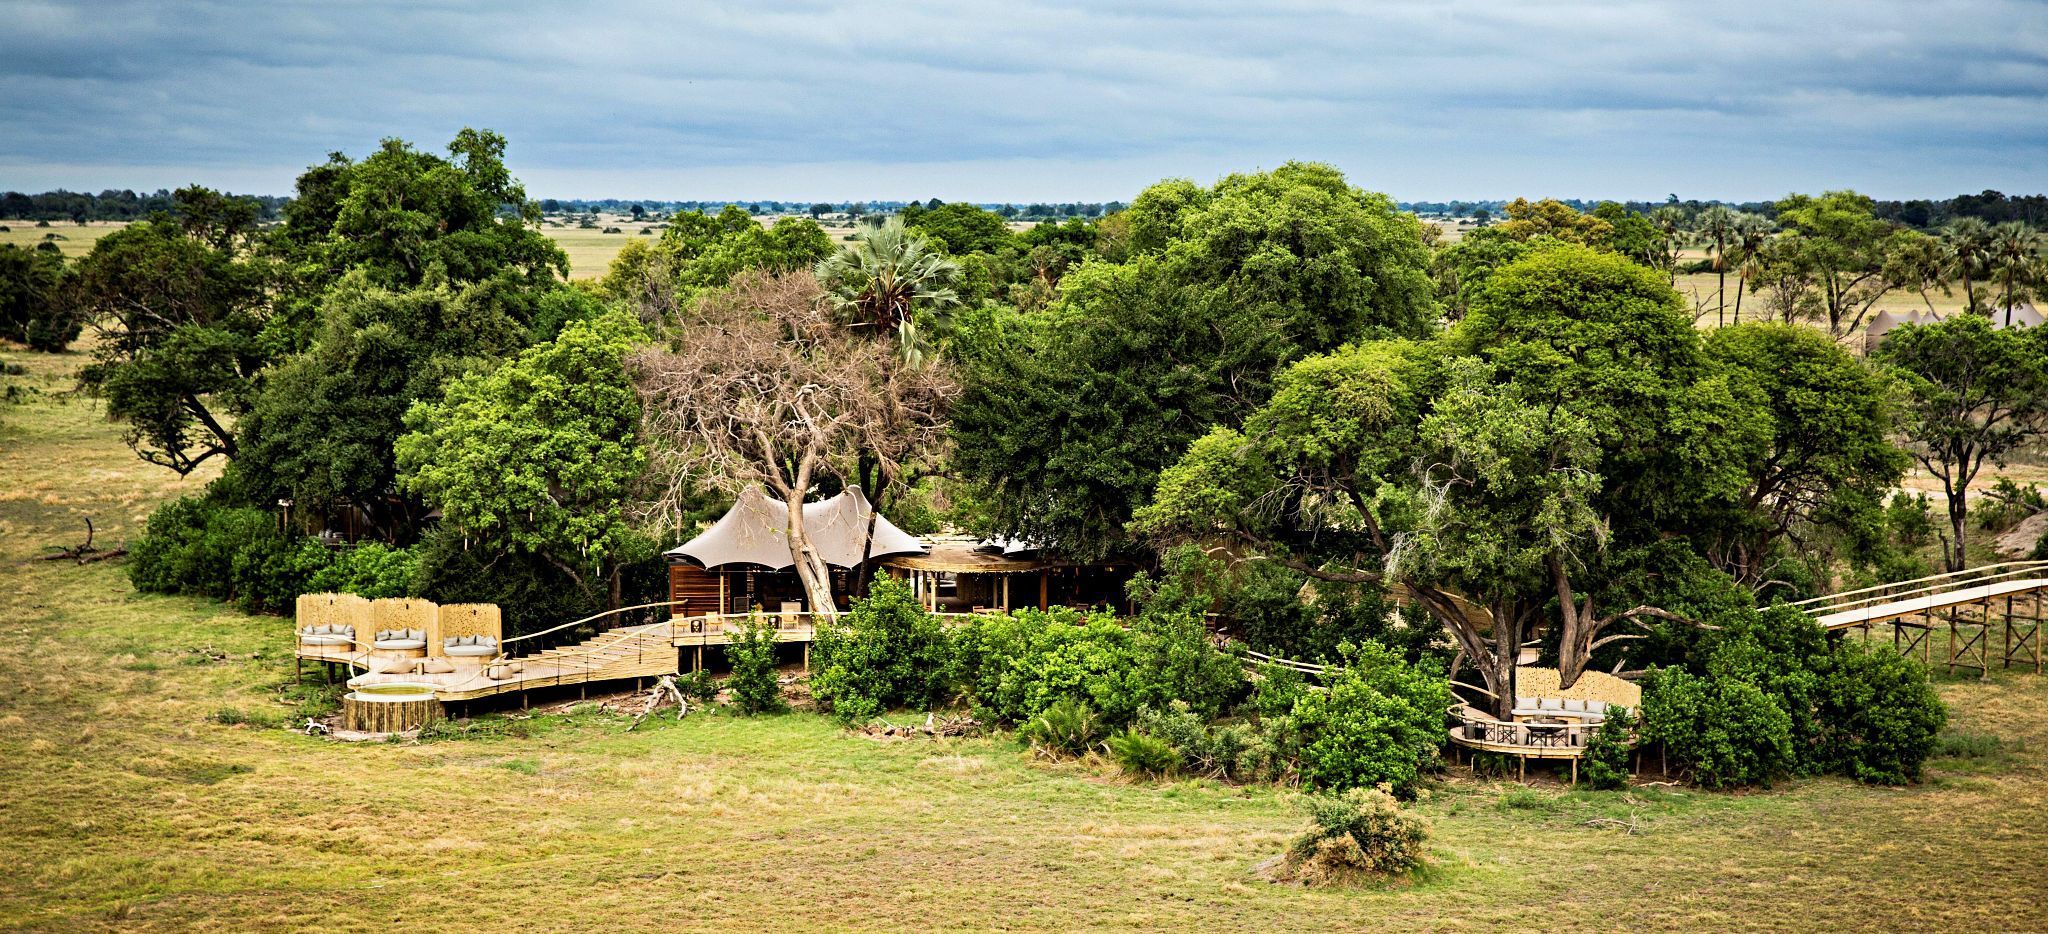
1066,420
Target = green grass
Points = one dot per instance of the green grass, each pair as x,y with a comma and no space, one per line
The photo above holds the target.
133,797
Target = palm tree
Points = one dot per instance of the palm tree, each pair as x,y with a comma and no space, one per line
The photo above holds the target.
2014,250
1967,241
1670,221
1918,262
886,275
1752,231
1717,226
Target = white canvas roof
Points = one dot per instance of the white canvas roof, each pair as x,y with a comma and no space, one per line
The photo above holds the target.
755,532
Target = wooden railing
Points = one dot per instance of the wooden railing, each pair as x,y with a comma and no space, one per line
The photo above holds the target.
1930,585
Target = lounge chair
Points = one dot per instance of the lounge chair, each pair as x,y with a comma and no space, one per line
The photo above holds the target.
469,646
337,634
400,640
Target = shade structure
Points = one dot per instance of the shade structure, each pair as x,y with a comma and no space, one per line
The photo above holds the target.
755,533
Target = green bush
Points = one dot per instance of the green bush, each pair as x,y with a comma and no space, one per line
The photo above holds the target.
887,652
755,686
1606,759
1882,717
1143,754
698,686
1019,664
1066,726
1361,831
1727,732
371,570
1217,751
1381,722
199,547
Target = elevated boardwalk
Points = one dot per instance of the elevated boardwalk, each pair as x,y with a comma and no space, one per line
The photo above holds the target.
1974,605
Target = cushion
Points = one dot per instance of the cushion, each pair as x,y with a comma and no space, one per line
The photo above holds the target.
1574,704
393,666
437,666
1552,703
1525,702
326,640
471,651
1596,706
399,644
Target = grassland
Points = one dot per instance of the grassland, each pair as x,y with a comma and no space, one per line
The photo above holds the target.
130,797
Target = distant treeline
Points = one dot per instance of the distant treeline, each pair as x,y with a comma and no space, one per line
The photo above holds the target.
1992,207
109,205
1014,211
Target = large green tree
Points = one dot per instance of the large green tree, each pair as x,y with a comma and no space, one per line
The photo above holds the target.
1829,418
539,454
32,310
1069,414
322,431
1844,245
1497,476
701,251
1974,394
185,315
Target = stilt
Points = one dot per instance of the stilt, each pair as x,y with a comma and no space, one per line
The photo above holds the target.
1521,770
1575,772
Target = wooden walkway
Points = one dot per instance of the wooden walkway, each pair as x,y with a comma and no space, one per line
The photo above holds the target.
1991,613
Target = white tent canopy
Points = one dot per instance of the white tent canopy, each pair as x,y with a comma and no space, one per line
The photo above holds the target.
755,532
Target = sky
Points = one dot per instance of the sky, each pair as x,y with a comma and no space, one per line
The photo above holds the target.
1028,100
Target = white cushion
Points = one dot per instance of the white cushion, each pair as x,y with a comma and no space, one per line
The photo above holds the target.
471,651
1574,704
326,640
1525,702
1552,703
397,644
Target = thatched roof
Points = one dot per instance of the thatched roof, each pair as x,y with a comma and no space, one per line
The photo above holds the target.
755,533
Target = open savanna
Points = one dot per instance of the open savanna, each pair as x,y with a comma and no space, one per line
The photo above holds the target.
74,239
146,782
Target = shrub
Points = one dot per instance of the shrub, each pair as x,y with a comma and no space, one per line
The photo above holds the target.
1728,732
755,687
1067,726
1606,759
1020,664
1199,748
372,570
1881,716
1276,691
196,546
1381,722
888,652
1142,753
1363,831
698,686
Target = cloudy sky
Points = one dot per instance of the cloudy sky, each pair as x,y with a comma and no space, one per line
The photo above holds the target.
1038,100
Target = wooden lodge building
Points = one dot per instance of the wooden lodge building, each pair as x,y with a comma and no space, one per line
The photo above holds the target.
741,564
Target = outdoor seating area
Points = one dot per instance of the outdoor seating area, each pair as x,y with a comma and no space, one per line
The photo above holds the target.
1548,722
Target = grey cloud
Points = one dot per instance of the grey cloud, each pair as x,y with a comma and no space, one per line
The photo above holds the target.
1425,99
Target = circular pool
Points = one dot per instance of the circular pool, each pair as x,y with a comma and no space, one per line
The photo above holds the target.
389,707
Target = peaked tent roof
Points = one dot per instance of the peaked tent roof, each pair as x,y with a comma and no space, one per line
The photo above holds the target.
755,532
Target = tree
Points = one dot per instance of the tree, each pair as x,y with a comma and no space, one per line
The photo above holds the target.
884,278
1717,227
1672,225
759,384
700,251
323,430
32,309
2016,260
1528,220
1844,245
1967,245
1974,394
1828,419
1487,476
1069,414
185,325
958,228
1918,262
1752,231
539,454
